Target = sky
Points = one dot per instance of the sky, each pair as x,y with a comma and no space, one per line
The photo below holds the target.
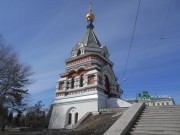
44,32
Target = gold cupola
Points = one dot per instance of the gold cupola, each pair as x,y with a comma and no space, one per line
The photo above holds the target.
90,16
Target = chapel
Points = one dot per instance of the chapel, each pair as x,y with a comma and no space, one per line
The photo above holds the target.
88,83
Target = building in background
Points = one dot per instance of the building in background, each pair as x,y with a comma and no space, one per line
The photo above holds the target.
152,100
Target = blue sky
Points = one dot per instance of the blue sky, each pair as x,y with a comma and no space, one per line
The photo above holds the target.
45,31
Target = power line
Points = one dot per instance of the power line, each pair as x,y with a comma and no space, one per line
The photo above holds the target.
165,21
132,37
152,90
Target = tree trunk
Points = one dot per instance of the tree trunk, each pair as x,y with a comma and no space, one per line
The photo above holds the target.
3,127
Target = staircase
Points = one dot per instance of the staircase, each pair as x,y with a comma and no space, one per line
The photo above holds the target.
94,124
158,120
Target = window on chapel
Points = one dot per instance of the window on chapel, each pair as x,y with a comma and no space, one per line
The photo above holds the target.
69,120
61,85
78,52
72,83
81,81
100,80
91,80
76,118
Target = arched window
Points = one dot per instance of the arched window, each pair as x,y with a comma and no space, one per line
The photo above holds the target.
117,88
107,86
61,85
72,83
91,80
78,52
68,85
76,118
81,81
69,118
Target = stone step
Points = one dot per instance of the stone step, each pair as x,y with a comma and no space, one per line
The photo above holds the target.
153,133
162,107
177,129
162,110
168,115
158,116
158,125
157,119
152,109
157,122
161,113
146,132
167,106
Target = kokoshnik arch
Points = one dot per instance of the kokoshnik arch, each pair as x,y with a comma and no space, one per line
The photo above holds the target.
89,83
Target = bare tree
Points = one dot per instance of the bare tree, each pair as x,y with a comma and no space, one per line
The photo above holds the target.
36,116
14,78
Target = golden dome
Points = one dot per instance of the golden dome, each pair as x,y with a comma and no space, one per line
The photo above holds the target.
90,17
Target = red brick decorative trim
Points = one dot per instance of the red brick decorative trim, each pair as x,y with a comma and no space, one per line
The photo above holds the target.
66,93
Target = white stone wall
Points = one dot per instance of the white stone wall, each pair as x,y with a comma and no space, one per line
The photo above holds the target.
59,117
116,102
102,101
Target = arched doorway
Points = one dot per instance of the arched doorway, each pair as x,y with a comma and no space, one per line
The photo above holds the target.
107,86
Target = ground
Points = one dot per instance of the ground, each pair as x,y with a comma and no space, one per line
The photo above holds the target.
93,125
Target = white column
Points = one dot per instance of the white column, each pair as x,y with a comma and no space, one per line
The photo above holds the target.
76,82
69,86
65,85
98,80
95,79
85,80
57,86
